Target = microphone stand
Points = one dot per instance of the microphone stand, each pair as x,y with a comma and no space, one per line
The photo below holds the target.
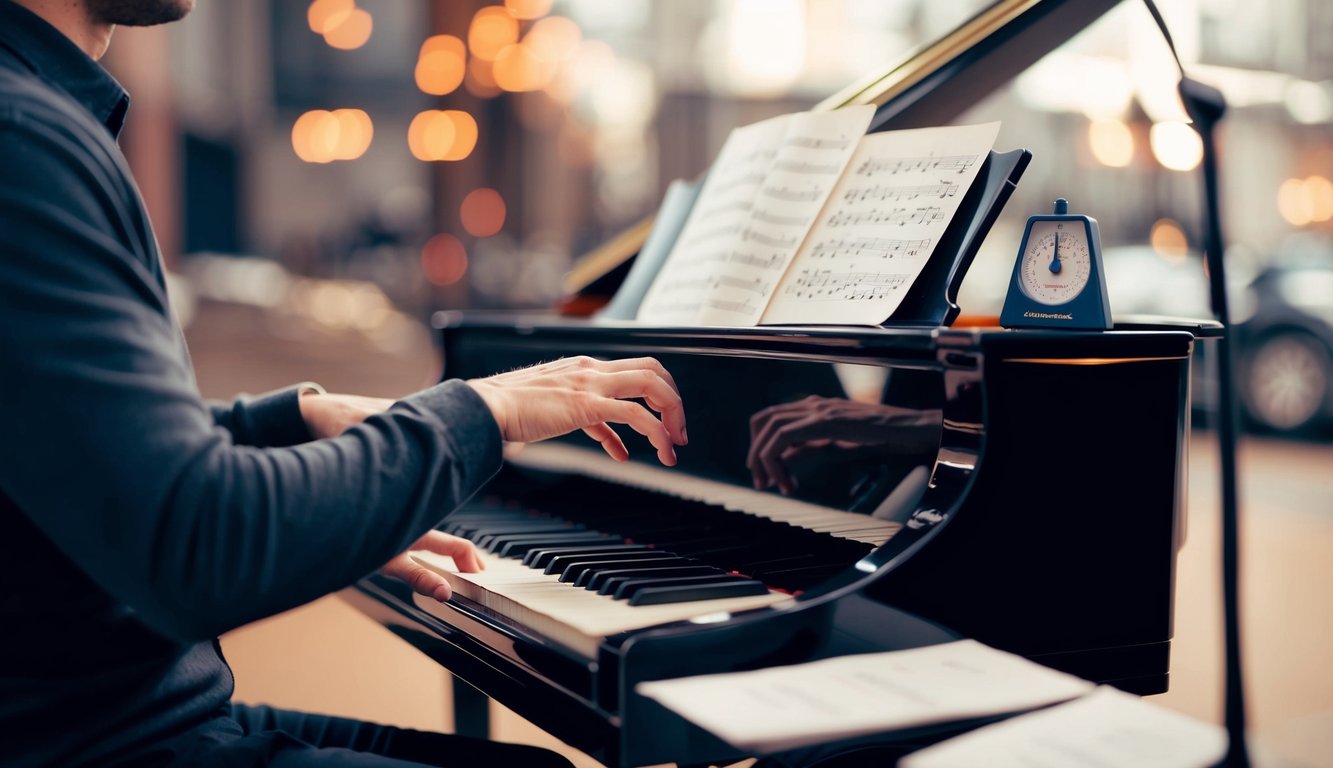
1205,106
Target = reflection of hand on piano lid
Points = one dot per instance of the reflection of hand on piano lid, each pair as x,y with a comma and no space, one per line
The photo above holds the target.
553,399
780,433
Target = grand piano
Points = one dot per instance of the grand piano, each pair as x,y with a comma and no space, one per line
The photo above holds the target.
844,490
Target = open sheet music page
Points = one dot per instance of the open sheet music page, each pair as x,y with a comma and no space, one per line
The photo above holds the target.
768,184
714,224
880,225
813,155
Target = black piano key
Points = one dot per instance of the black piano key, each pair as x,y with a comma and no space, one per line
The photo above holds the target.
631,587
520,547
584,579
606,582
562,565
580,573
538,558
555,538
485,535
683,594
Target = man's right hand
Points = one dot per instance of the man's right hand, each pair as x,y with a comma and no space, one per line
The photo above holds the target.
559,397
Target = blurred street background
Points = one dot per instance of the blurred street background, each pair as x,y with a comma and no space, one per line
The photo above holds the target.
325,175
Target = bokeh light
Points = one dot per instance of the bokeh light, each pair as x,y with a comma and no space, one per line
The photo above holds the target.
482,212
1175,145
491,30
1111,142
554,39
352,32
1169,241
324,15
518,69
320,136
528,9
443,259
1320,191
441,65
442,135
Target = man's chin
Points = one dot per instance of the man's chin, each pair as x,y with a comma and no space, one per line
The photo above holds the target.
139,13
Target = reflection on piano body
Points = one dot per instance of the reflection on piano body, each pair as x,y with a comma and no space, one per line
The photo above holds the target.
1021,488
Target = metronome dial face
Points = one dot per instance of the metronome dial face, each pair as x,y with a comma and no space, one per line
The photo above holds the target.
1056,264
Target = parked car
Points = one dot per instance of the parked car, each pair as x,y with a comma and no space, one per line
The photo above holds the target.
1285,369
1283,318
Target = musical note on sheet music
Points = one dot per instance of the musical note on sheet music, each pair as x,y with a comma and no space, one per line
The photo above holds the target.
884,193
892,166
869,247
826,285
864,252
900,217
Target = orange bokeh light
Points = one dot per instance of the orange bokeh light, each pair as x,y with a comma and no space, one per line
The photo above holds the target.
528,9
482,212
491,30
442,135
324,15
518,69
440,72
320,136
444,259
352,32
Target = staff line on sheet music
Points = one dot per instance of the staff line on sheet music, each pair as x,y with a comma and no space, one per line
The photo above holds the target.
895,165
824,285
881,247
791,195
884,193
782,221
899,216
804,167
807,142
754,178
751,236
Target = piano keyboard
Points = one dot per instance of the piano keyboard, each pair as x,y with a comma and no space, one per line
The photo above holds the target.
590,558
569,459
574,617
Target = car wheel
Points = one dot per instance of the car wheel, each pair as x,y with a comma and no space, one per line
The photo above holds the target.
1287,382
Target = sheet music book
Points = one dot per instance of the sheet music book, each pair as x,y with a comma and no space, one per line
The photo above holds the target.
780,708
805,219
1105,729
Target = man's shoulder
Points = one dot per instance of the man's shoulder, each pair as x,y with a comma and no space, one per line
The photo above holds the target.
30,105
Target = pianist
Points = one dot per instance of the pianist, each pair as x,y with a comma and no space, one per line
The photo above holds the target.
138,522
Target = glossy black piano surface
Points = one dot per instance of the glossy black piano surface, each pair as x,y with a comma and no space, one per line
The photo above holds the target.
1022,488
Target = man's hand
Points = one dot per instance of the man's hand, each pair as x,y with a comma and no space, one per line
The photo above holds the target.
422,579
329,415
555,398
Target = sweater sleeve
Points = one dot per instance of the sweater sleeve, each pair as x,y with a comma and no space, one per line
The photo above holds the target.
272,419
108,448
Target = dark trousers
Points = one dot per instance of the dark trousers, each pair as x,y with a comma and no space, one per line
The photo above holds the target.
245,737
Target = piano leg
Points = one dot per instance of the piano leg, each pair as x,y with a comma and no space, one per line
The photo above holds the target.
472,710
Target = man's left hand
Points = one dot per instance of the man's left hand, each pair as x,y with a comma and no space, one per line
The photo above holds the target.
422,579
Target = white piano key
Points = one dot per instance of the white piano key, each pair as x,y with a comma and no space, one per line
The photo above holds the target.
569,615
